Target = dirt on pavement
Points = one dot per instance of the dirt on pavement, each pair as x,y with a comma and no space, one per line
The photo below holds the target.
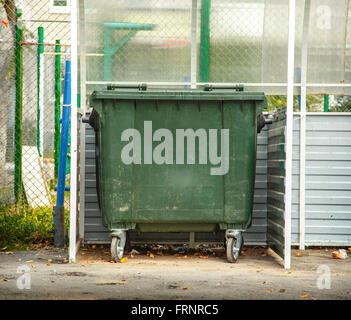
157,272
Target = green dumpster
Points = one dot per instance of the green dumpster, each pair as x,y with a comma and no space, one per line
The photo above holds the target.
176,161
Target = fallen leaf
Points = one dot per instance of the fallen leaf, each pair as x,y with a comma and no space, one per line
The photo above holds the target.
132,256
6,280
123,280
336,255
33,266
93,246
29,261
281,290
298,254
9,252
124,260
184,288
313,298
268,290
48,264
152,256
203,257
305,295
287,272
49,260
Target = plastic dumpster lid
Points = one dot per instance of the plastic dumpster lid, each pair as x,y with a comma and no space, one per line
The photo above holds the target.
141,92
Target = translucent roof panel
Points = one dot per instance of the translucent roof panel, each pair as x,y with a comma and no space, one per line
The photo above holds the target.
151,41
144,40
328,46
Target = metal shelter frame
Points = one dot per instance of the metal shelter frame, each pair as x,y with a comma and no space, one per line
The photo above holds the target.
290,85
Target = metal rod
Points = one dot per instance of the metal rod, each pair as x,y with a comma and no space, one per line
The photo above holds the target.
59,213
56,54
289,136
74,135
193,52
40,50
304,57
326,103
41,44
107,57
57,106
345,40
82,152
18,111
249,84
344,114
205,40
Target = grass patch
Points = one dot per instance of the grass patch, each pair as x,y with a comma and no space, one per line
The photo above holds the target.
23,227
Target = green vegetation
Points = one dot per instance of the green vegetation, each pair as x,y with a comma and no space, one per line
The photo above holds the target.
22,227
313,102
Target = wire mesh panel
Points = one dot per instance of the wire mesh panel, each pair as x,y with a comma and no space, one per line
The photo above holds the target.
7,105
138,40
32,73
236,41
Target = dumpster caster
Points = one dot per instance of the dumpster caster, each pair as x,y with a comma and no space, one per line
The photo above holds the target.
117,244
234,245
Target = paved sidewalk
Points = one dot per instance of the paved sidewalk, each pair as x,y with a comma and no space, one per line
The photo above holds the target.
258,274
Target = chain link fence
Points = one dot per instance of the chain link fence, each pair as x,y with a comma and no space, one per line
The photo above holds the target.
31,84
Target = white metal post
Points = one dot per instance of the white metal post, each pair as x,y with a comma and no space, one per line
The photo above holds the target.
74,126
193,44
304,56
289,136
82,55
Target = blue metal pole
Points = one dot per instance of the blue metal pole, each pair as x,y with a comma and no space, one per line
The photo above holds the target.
59,214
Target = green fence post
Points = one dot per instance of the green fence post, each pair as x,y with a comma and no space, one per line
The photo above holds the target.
18,111
326,103
107,53
40,51
205,41
57,105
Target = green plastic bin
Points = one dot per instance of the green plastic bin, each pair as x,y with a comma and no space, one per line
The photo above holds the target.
142,183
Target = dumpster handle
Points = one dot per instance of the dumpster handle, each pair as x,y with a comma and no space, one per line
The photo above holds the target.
140,87
238,87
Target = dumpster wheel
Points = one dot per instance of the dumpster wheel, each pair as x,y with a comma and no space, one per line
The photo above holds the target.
234,246
117,244
116,252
